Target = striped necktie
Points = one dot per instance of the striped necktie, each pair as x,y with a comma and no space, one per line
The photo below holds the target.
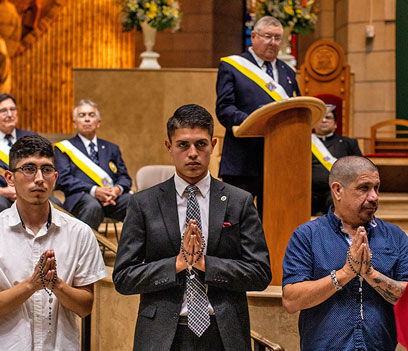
92,153
269,69
9,139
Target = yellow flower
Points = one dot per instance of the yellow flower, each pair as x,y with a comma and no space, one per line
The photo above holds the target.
152,10
289,10
170,1
175,12
298,11
132,5
166,10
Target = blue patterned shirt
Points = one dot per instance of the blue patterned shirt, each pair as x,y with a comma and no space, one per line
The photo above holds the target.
318,247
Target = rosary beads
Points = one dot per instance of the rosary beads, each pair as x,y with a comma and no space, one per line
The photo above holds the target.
48,291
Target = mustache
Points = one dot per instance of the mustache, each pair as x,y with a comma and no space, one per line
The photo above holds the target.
370,205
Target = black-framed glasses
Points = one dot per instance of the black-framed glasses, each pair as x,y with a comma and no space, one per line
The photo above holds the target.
30,171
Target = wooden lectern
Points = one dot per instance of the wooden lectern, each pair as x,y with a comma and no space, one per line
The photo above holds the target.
286,127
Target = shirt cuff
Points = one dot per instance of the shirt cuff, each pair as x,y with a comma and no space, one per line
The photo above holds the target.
121,188
93,191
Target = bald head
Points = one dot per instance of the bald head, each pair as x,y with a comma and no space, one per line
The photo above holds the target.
346,169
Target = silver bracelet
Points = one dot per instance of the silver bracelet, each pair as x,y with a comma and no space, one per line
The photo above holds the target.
337,287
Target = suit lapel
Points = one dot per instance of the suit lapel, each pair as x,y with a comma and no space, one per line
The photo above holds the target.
168,208
102,153
77,142
283,77
218,206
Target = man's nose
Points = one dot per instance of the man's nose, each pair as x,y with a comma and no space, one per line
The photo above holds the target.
192,152
373,195
39,176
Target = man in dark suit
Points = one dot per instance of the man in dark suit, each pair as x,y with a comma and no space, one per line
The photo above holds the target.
238,96
333,146
92,173
192,239
8,136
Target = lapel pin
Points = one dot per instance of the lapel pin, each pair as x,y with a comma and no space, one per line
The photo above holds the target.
223,198
103,146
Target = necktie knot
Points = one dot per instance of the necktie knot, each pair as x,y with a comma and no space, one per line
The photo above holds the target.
191,189
92,146
9,139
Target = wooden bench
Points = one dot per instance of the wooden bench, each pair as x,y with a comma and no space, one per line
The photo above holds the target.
392,146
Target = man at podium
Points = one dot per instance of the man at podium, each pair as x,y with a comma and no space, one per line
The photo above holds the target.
245,83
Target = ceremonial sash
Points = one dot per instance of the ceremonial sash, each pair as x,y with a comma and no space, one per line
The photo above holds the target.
4,156
253,72
85,164
321,153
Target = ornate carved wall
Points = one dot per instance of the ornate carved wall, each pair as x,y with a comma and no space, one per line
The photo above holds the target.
79,33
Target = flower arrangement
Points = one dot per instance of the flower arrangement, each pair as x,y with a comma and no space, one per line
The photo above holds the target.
159,14
301,15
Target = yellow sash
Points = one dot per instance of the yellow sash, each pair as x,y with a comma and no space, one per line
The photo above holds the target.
80,164
254,77
318,149
4,157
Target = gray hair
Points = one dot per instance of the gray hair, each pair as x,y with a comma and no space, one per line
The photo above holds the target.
346,169
86,102
266,21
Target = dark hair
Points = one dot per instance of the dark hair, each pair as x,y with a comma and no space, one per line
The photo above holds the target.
190,116
30,145
334,114
7,96
346,169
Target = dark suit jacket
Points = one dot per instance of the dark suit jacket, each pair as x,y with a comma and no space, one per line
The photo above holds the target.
237,260
75,183
19,134
237,97
339,146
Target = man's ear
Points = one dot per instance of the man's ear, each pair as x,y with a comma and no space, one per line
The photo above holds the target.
214,142
167,143
336,190
8,176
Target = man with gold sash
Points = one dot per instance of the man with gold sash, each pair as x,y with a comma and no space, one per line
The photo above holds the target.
92,173
8,136
245,83
327,147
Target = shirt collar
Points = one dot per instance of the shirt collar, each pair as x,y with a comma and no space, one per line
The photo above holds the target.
258,60
324,137
13,134
15,220
87,141
337,224
203,185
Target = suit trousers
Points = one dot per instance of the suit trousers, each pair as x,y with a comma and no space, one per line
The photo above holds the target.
186,340
91,211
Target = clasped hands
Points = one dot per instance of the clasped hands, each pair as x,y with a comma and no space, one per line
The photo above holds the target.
191,250
48,270
107,195
358,261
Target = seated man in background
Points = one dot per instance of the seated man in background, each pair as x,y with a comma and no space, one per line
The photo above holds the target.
327,147
8,136
344,271
48,260
92,173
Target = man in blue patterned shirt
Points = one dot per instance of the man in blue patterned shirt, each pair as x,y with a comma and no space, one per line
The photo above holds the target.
344,271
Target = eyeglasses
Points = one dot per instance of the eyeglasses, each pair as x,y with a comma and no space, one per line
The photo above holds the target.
13,110
30,171
267,38
329,117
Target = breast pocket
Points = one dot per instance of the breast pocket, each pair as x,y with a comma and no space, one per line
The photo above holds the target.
230,242
385,261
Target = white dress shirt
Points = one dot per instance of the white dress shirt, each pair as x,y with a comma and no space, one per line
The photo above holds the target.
4,142
203,199
79,263
261,63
